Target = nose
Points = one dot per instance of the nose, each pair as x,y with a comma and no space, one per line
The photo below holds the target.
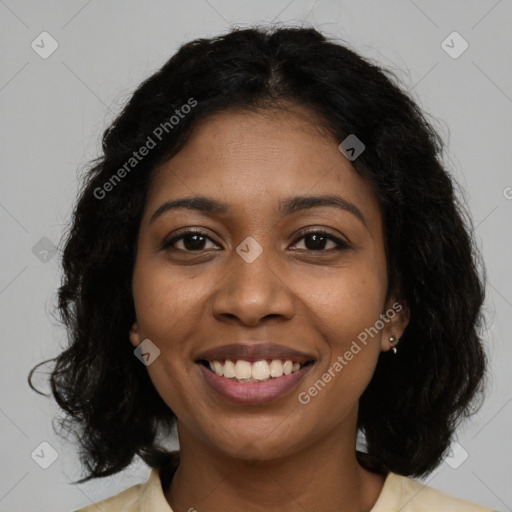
251,292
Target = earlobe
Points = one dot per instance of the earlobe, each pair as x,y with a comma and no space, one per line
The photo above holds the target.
398,318
134,335
393,343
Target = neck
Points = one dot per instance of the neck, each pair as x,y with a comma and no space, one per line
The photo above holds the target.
322,476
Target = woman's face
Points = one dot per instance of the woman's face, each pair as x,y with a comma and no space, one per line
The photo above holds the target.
270,266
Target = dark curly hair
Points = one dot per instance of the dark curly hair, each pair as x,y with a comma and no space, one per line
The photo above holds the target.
416,398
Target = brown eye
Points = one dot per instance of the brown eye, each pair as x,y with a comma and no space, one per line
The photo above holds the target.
318,240
190,241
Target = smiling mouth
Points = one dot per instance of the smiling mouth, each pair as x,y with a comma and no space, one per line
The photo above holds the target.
262,370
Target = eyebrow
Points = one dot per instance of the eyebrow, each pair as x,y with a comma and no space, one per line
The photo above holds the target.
286,206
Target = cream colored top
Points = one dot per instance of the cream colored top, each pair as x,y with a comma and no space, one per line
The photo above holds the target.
399,494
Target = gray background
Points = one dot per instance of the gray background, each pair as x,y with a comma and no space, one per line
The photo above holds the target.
53,112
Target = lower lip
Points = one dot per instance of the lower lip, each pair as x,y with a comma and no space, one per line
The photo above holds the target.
253,393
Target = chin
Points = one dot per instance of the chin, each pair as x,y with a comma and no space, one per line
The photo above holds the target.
261,445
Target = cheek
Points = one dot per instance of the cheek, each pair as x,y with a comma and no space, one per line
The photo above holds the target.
163,318
346,304
346,310
164,300
166,306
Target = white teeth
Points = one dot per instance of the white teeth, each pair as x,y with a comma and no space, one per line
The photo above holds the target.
287,367
276,368
243,369
260,370
257,371
229,369
218,368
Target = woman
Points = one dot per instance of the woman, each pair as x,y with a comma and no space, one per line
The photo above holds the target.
270,257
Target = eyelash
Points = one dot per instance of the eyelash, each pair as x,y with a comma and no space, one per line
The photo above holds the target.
342,245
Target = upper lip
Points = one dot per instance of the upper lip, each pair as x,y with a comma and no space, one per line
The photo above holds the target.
254,352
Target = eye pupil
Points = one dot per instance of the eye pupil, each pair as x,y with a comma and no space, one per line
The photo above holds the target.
198,242
318,241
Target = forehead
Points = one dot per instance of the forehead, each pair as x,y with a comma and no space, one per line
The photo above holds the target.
253,158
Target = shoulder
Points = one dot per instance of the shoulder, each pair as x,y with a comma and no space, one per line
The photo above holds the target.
408,495
138,498
145,496
125,500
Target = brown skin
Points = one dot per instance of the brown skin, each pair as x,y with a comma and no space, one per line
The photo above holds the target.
263,457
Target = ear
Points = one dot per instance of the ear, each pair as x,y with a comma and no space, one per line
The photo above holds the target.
395,318
134,335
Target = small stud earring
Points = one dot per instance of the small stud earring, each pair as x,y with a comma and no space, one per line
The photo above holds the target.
392,340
